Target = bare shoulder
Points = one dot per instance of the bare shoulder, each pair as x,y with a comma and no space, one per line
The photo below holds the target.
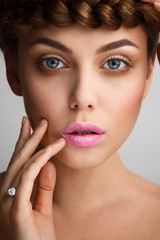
140,202
145,199
144,188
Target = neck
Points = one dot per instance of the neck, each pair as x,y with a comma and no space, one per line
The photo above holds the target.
78,189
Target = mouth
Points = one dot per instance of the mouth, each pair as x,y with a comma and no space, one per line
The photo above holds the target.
83,134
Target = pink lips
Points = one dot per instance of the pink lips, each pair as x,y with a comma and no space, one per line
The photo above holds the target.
82,134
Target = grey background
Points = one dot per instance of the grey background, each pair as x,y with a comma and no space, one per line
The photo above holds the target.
141,152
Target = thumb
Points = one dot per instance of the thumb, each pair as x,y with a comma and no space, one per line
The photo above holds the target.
45,188
158,52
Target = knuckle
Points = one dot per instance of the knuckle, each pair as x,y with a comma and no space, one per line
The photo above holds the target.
16,162
28,172
23,178
20,155
23,139
16,157
26,176
45,187
23,135
23,167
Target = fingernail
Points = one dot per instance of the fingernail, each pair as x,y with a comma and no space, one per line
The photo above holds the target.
42,122
157,4
60,141
23,120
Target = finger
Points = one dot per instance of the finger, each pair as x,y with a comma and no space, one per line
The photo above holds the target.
33,142
45,188
25,153
25,186
23,137
158,52
157,6
24,167
8,201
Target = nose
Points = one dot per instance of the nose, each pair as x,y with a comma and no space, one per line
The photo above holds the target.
83,93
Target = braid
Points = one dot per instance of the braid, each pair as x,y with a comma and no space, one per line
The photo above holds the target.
19,17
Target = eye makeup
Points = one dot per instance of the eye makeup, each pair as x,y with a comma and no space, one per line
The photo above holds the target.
51,62
116,64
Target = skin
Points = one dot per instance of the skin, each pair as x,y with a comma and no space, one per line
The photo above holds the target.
88,91
23,170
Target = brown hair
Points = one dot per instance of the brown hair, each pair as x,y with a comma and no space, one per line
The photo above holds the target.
20,17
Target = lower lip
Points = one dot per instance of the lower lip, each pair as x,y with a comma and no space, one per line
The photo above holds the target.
87,140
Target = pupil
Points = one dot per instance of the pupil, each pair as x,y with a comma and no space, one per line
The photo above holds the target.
114,64
52,63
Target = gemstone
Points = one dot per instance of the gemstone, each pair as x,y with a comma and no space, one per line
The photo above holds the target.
11,191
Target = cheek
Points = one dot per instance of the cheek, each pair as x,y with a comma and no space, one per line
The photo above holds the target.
132,99
124,102
42,102
129,104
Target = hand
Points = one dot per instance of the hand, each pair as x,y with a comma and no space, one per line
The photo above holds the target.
157,7
19,218
155,3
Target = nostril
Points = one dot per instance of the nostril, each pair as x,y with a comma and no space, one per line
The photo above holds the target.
79,106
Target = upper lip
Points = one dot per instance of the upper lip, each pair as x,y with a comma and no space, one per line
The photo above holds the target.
81,127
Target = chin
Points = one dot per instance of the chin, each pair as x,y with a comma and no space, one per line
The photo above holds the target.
80,158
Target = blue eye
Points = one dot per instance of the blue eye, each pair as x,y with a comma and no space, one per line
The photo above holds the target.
52,63
114,64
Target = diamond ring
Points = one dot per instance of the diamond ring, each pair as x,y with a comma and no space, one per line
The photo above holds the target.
10,191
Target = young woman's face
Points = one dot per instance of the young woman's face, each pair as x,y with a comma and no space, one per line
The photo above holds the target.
72,75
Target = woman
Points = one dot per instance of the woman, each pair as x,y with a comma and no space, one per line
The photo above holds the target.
83,71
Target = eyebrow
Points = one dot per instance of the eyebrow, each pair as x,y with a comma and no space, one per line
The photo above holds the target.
63,48
115,45
52,43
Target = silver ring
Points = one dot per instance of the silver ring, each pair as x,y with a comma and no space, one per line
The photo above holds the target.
10,191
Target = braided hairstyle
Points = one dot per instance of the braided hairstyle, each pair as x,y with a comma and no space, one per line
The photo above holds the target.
20,17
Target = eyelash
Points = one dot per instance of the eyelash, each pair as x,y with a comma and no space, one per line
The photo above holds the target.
119,58
50,56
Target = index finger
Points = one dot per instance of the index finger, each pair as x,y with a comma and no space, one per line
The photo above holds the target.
24,135
25,153
32,143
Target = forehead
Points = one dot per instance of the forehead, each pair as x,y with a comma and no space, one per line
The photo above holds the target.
76,37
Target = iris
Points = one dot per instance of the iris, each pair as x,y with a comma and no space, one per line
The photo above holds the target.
114,64
52,62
